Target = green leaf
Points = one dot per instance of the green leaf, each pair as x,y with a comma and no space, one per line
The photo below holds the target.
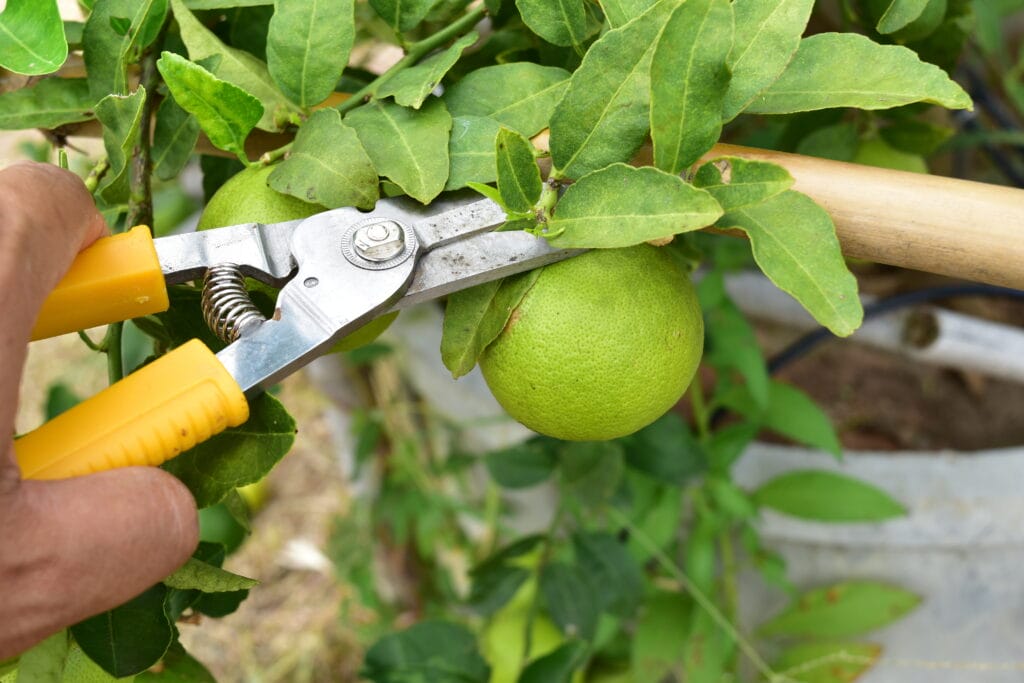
120,116
44,662
177,666
591,470
475,317
520,96
562,22
411,87
571,599
128,639
827,662
224,4
107,51
827,497
50,103
499,577
32,37
59,398
219,605
521,466
916,137
746,181
665,450
238,456
661,636
174,137
689,78
226,113
518,174
620,12
794,243
766,38
604,115
789,412
609,565
558,666
402,15
829,71
471,151
328,165
838,142
435,651
842,610
198,575
234,66
900,14
408,147
727,444
708,650
308,45
620,205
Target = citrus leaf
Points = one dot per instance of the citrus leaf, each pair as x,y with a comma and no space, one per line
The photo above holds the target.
826,662
767,36
619,12
108,51
518,174
570,599
410,87
789,412
225,112
128,639
794,243
328,165
707,651
842,610
665,450
408,147
828,71
621,205
521,466
234,66
661,636
604,115
689,78
916,137
44,662
198,575
520,96
50,103
496,580
308,44
827,497
402,15
748,182
475,317
224,4
471,154
174,137
838,142
558,666
237,456
608,564
120,116
435,651
900,14
177,666
32,37
561,22
591,470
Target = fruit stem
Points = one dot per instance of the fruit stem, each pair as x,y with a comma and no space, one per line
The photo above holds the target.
112,345
92,180
701,418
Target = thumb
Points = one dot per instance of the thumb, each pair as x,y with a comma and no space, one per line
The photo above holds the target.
76,547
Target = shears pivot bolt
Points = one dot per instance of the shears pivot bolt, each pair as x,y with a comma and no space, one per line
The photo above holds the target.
379,241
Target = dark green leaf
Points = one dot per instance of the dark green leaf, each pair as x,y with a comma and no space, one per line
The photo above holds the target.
620,205
434,651
174,137
308,45
521,466
328,165
219,605
128,639
120,116
558,666
828,71
238,456
500,576
767,35
795,244
661,636
562,22
177,666
520,96
408,147
746,181
666,450
471,151
912,19
827,662
59,398
50,103
727,444
838,142
619,12
842,610
591,470
44,662
226,113
731,341
604,116
197,575
609,565
402,15
410,87
916,137
827,497
689,78
518,174
32,37
108,51
789,412
573,602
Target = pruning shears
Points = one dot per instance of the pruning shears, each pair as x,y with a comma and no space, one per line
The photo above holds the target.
337,270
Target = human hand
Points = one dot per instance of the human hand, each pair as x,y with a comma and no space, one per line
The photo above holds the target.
71,548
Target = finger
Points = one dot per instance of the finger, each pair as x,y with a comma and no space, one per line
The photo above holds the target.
77,547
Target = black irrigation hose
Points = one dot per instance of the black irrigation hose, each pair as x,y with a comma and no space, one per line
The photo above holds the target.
969,121
1003,118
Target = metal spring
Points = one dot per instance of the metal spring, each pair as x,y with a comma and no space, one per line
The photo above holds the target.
227,308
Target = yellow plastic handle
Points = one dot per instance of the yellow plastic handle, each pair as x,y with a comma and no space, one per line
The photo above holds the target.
116,278
150,416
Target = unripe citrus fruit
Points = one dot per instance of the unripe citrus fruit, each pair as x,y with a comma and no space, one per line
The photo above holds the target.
601,345
246,198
